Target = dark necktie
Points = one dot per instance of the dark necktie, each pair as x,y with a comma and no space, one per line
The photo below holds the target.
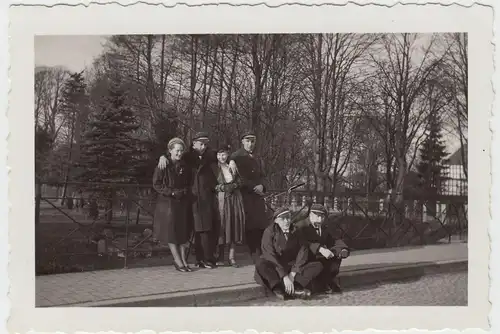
286,235
318,230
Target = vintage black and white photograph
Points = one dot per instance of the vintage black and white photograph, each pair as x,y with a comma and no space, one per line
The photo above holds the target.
247,168
320,169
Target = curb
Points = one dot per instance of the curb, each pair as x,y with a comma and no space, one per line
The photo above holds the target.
225,296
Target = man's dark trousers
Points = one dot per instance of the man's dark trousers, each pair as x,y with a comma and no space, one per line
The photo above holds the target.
254,241
331,268
204,246
267,270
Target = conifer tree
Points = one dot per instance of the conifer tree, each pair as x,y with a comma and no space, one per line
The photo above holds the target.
110,152
432,154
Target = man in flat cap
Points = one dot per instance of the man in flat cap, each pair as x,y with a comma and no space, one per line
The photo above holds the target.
250,169
202,161
324,245
284,266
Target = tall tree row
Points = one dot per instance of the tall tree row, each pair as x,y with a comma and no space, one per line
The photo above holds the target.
322,105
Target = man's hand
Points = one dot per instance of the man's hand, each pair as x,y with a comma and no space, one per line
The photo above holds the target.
232,167
344,253
259,189
327,254
288,283
163,162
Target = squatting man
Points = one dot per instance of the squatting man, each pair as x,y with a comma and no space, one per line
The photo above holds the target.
320,236
284,266
300,255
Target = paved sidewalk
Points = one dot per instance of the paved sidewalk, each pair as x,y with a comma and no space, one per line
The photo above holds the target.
104,287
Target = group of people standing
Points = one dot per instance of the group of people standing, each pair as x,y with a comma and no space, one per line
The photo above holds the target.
213,195
217,198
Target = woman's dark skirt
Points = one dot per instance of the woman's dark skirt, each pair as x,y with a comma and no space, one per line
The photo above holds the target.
172,223
232,217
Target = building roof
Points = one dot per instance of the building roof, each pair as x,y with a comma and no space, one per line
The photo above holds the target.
456,157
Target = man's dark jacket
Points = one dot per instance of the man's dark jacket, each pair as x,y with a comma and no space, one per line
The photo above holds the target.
251,172
287,255
204,181
328,238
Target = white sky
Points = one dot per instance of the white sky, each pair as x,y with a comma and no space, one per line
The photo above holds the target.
73,52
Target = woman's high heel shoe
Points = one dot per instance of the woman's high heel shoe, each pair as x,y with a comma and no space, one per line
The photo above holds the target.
181,269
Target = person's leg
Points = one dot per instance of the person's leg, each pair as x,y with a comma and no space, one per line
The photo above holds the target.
206,245
231,257
267,271
329,275
198,247
183,251
309,272
258,242
174,249
254,238
220,255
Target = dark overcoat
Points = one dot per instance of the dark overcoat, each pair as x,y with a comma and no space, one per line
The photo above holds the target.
204,181
251,172
286,254
327,237
172,222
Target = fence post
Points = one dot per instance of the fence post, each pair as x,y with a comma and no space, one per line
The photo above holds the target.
293,202
327,203
424,211
127,218
38,197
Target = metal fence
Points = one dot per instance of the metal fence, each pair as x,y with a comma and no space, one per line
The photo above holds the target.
118,222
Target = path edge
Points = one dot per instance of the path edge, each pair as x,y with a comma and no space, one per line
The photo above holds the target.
350,280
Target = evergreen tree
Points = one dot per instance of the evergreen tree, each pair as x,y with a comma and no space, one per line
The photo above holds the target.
164,128
432,154
110,153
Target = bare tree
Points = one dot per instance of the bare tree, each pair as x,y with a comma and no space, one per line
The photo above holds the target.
402,69
49,82
455,82
331,77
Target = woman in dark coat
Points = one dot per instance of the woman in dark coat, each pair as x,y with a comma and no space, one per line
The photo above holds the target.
232,212
172,223
202,164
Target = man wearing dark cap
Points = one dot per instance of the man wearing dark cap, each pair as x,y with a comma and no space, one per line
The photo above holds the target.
324,245
283,266
250,169
202,161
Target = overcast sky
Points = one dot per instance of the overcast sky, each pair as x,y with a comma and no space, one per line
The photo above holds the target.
72,52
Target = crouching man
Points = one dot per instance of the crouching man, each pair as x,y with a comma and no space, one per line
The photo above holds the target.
283,266
320,237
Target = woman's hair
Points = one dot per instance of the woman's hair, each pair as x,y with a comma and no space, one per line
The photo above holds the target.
175,141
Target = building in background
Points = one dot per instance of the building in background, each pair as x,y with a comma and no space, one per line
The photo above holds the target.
455,180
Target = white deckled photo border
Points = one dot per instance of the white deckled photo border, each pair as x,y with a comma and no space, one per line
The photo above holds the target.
28,21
